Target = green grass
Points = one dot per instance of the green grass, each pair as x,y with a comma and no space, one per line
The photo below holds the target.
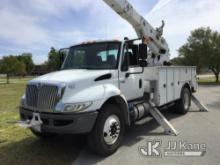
18,145
208,80
13,80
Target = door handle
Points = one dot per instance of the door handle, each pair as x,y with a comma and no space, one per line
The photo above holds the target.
127,75
140,83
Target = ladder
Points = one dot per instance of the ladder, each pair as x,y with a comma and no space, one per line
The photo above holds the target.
161,119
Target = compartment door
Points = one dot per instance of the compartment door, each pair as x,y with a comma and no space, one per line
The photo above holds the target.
170,84
177,83
162,85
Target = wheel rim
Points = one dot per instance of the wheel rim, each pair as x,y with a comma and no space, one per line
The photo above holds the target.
111,129
186,101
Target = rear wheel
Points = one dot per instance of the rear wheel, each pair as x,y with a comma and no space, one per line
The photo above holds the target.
108,131
182,106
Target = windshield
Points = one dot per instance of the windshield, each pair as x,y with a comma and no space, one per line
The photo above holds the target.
93,56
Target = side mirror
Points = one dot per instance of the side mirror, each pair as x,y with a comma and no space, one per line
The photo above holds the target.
143,63
143,51
125,63
62,55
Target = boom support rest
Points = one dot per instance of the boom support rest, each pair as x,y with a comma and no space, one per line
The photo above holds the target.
160,118
201,107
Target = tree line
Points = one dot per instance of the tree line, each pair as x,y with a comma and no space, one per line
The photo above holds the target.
16,65
22,65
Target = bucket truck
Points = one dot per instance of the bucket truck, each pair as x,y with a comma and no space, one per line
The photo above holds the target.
105,86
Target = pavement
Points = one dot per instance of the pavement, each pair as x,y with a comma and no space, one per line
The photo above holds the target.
194,127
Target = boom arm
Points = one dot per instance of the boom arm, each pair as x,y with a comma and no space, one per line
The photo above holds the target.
153,38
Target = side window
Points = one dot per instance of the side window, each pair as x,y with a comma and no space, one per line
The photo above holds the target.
132,52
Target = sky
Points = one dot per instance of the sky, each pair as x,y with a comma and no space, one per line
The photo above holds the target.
36,25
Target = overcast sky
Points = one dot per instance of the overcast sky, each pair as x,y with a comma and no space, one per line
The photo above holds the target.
36,25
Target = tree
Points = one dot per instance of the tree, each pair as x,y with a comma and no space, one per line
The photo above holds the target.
20,68
53,60
177,61
11,65
26,58
203,50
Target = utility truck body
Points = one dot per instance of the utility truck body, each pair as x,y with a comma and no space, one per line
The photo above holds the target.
96,75
104,86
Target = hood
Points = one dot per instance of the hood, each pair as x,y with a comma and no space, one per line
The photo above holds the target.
70,76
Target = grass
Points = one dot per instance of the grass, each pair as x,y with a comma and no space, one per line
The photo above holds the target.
18,145
15,80
207,80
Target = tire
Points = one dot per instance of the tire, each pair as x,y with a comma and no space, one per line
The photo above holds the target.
182,106
42,135
108,131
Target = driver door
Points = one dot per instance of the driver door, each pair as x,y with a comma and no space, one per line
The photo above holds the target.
131,85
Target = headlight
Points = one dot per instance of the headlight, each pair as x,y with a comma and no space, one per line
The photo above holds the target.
77,107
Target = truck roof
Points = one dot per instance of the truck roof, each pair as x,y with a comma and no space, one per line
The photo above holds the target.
96,41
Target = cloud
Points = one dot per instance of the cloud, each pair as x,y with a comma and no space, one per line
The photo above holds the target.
54,7
27,26
36,25
181,17
160,4
20,29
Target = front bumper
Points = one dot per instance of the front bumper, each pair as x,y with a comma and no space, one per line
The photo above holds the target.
71,123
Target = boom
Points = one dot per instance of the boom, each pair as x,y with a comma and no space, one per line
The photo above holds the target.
153,38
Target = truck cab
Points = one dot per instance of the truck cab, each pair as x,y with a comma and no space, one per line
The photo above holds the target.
115,61
100,88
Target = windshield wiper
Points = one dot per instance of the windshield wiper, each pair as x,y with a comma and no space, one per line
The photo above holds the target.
85,67
92,68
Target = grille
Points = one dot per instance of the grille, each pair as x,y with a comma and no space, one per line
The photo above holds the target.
43,97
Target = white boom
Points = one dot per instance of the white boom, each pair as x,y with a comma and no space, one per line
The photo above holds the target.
153,38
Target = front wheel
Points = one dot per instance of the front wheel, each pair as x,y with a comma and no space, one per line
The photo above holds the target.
108,131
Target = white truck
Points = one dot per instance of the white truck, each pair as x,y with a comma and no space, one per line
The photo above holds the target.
104,86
